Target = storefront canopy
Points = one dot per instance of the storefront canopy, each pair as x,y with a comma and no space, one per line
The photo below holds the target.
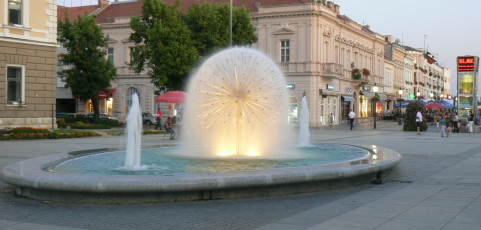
348,98
367,94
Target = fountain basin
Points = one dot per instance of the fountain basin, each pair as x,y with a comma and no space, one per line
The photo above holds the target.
33,179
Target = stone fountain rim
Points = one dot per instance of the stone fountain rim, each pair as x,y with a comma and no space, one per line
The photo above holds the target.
33,174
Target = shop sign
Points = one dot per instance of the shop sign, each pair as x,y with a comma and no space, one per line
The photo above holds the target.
329,87
466,64
348,90
291,86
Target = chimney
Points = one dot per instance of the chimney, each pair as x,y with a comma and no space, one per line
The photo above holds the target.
336,8
103,3
330,5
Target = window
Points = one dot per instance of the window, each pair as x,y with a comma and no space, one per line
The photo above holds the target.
336,55
326,52
15,84
342,56
348,57
131,58
285,51
128,100
15,12
110,56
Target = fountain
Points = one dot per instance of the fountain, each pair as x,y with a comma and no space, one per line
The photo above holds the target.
303,140
134,132
237,105
236,144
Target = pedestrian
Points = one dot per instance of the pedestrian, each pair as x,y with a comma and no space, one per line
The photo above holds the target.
159,119
470,122
351,115
443,127
419,121
455,123
448,129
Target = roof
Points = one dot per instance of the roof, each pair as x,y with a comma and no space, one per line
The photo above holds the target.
133,8
74,11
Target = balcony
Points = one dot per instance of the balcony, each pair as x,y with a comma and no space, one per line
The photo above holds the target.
331,70
284,66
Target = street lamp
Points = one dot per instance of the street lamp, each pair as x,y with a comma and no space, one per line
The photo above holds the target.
431,95
418,94
375,89
442,95
400,92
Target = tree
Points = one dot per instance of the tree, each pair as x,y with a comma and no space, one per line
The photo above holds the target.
170,43
163,43
90,72
209,22
410,117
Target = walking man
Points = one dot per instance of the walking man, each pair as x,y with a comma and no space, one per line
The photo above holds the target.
351,115
419,121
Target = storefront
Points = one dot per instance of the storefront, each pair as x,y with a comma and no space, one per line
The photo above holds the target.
292,113
347,103
329,110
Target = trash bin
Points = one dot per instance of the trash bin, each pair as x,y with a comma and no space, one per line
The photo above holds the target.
400,121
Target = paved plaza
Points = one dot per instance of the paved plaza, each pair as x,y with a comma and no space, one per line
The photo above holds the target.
436,186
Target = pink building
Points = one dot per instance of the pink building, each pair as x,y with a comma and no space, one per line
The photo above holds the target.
334,60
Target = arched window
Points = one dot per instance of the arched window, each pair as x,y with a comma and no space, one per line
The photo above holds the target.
128,99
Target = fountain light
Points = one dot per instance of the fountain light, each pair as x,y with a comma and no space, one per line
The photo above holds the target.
253,154
225,154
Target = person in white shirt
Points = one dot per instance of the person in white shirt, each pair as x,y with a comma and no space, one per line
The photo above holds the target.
351,115
419,121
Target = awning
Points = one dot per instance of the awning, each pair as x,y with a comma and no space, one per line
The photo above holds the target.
367,94
348,98
382,96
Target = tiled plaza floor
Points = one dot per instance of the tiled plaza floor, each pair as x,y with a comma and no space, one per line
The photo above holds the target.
436,186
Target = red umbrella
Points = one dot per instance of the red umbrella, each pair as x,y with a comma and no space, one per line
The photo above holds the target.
172,97
434,105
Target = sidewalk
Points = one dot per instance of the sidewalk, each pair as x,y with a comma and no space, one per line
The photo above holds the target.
436,186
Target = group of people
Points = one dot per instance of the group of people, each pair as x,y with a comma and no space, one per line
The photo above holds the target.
168,124
446,121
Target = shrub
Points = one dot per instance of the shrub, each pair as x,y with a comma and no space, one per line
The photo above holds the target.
25,133
410,117
356,74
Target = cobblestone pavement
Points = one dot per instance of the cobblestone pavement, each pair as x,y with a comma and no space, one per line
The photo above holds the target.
436,186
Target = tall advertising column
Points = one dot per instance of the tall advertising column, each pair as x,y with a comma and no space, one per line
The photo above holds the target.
467,90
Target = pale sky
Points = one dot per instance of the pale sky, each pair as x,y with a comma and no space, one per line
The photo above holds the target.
452,28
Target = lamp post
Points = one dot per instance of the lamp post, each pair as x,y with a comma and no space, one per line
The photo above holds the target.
431,95
418,94
375,89
230,24
400,92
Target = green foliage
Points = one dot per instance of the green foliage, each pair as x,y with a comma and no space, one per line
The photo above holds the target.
209,22
28,133
171,44
410,116
356,74
163,43
90,72
80,120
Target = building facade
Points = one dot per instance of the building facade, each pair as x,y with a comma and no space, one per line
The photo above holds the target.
332,59
28,40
